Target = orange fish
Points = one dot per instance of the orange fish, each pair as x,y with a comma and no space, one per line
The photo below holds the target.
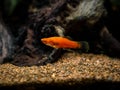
61,42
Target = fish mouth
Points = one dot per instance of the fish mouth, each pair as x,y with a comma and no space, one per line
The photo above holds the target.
44,41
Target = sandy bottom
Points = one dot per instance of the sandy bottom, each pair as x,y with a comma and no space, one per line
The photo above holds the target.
71,69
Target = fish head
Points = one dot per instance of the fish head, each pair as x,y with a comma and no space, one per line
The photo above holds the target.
50,42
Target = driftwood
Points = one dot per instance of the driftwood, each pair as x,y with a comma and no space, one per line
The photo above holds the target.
82,20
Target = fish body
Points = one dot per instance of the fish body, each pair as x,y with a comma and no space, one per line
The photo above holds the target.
61,42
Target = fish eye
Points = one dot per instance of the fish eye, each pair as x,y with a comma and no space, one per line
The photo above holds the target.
55,43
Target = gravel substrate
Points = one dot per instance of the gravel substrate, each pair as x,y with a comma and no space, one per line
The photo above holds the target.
72,68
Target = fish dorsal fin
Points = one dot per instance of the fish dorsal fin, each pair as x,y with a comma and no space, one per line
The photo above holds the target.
68,37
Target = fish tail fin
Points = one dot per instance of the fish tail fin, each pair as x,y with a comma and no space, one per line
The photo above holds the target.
84,46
